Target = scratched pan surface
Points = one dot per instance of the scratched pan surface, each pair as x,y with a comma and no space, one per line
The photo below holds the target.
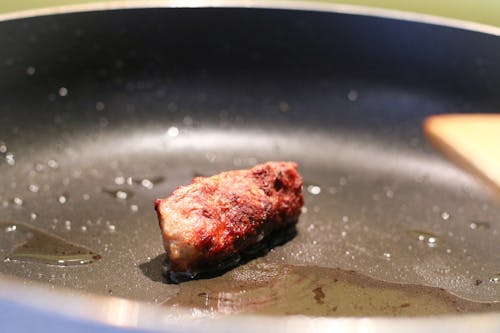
102,112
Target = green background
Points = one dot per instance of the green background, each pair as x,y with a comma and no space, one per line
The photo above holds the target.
481,11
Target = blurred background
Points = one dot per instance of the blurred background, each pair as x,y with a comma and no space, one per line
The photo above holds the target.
481,11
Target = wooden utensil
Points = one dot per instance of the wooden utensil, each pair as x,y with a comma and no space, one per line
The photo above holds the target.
470,140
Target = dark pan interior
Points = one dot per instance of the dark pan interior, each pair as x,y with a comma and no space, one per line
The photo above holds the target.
161,95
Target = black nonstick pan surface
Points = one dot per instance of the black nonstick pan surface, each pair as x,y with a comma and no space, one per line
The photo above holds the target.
102,112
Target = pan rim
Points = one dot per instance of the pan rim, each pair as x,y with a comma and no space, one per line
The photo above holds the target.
318,6
15,292
107,311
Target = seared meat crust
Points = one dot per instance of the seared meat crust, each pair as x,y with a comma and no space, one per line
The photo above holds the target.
214,218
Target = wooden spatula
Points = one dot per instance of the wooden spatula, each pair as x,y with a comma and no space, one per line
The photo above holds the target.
470,140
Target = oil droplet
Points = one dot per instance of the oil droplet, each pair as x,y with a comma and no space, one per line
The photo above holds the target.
39,167
495,278
423,236
99,106
62,199
33,188
10,159
30,70
119,194
10,228
18,201
33,216
445,216
314,189
477,225
387,255
3,147
63,91
147,184
119,180
352,95
42,247
53,164
111,228
172,132
134,208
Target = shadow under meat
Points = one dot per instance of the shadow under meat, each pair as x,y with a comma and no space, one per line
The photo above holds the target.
157,269
153,269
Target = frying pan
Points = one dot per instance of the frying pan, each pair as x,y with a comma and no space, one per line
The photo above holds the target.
101,112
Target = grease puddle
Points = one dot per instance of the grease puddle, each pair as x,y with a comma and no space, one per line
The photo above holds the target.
39,246
276,289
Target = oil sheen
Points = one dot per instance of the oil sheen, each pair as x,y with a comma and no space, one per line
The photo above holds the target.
39,246
278,289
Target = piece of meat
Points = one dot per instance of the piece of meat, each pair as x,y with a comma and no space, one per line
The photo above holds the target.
214,218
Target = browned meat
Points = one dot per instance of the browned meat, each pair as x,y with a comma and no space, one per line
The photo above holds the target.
214,218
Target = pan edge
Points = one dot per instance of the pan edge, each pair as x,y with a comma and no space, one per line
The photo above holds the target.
256,4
